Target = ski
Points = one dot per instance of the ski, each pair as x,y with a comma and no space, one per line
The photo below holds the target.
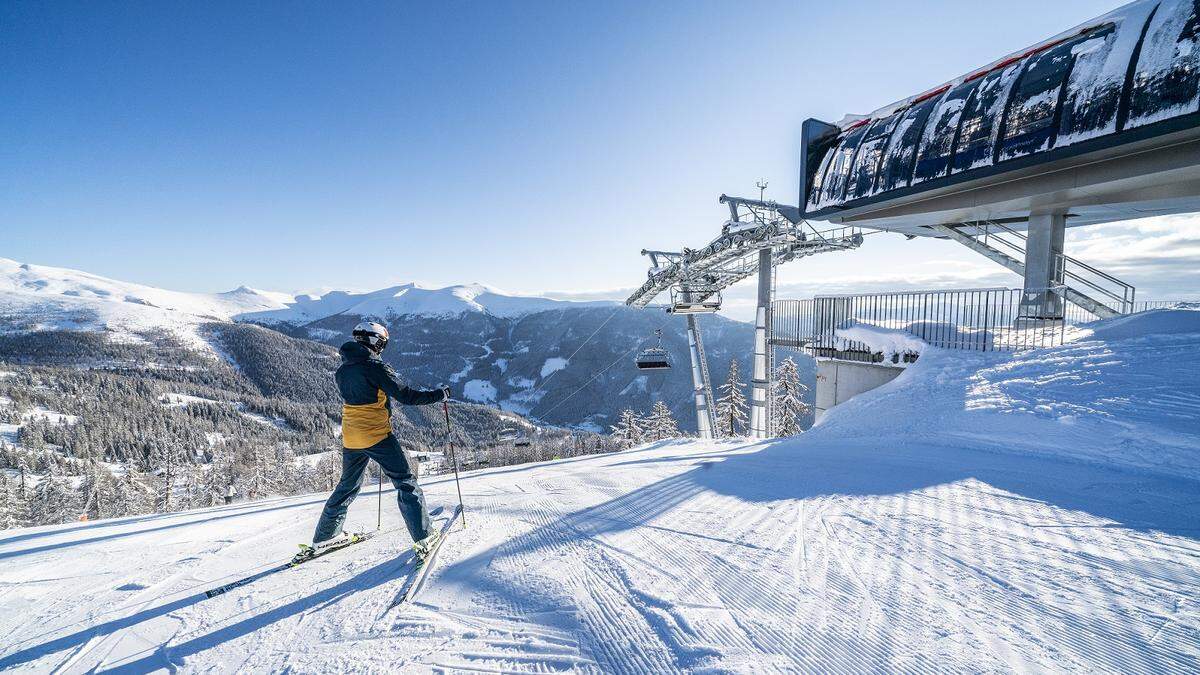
307,553
417,579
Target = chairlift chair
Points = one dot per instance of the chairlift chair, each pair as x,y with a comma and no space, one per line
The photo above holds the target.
654,358
686,300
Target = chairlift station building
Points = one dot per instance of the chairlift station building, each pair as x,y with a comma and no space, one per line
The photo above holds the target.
1100,123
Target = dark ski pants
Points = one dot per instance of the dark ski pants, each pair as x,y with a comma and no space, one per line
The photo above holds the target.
397,466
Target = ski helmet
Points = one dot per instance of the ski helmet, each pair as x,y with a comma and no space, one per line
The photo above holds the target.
373,335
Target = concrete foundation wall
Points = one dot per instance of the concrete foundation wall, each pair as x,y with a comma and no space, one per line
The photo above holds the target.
839,381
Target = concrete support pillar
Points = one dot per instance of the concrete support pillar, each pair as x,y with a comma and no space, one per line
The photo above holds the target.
699,386
761,382
1043,267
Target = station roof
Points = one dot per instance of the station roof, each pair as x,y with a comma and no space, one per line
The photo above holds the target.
1101,122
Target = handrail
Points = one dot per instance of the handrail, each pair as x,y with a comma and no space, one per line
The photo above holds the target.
1124,294
920,292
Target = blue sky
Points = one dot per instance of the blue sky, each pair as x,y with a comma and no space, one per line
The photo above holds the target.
534,146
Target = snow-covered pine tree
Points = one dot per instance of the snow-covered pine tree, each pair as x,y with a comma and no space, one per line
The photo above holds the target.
627,432
54,501
282,476
732,406
255,481
104,500
166,461
15,511
8,499
329,467
661,423
788,406
133,498
217,476
87,493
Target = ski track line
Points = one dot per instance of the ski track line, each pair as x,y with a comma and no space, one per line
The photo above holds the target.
1027,612
135,604
622,643
792,640
731,633
549,656
310,578
763,604
196,620
367,609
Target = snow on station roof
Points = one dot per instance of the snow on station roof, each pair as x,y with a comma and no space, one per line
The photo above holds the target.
1128,79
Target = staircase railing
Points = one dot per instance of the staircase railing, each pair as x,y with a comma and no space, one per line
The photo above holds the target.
1089,284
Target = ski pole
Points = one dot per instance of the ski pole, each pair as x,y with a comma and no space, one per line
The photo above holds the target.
454,458
379,501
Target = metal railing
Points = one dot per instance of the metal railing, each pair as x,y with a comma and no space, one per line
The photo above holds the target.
1103,287
980,319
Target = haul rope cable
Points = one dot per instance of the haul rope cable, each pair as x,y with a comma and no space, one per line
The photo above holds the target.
577,349
593,378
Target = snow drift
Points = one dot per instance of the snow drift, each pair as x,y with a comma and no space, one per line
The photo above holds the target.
1125,394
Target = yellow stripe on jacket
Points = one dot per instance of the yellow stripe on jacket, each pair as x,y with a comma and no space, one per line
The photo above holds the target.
367,424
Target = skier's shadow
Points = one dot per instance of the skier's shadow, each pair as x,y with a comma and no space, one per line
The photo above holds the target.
170,657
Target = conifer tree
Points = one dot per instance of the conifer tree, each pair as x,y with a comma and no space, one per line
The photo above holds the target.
14,509
329,468
732,407
104,500
53,501
627,432
788,406
165,460
661,423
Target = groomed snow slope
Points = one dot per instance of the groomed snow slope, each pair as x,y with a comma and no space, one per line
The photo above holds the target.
991,513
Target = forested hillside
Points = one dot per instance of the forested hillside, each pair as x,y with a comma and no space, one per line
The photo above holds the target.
570,366
92,426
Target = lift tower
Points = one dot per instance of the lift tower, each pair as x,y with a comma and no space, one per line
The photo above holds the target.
759,235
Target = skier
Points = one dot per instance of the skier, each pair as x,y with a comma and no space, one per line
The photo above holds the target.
368,386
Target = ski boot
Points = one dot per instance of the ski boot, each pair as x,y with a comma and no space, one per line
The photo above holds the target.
306,553
424,547
310,551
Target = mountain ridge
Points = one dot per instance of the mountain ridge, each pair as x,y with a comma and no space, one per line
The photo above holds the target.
23,286
561,362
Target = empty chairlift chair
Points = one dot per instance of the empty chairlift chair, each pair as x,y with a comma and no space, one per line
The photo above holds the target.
654,358
703,300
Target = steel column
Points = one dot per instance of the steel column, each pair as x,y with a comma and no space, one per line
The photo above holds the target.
761,382
1044,267
700,386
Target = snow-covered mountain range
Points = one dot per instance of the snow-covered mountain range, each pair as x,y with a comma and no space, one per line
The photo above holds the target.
46,298
525,354
409,300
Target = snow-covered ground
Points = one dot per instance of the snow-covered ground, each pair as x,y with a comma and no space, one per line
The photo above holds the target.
983,512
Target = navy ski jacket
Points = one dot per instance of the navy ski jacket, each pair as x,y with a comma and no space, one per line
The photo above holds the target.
368,386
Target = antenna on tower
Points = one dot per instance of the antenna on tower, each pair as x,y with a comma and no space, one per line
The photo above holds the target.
762,186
